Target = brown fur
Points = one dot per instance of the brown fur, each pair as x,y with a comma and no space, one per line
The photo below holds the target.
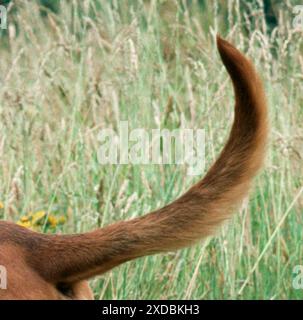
42,266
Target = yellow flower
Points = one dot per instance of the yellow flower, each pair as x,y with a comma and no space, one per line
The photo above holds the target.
53,221
25,224
38,216
24,219
61,220
1,205
36,220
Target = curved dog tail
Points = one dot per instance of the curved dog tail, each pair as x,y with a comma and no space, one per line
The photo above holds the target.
194,216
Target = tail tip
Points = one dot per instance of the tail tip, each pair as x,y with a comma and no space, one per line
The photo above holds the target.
222,44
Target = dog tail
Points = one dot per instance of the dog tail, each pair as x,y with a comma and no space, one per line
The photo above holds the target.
194,216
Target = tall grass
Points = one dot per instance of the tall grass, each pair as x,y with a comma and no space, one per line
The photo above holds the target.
65,76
